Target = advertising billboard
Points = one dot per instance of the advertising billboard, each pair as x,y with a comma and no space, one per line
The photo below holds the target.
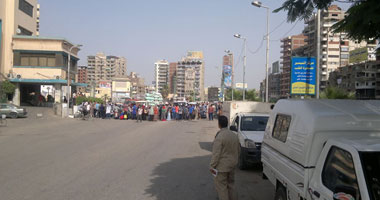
303,76
227,75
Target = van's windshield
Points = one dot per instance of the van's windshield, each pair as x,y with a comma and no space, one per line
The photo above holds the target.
253,123
371,166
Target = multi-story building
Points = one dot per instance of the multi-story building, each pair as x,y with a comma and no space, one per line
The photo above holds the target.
190,76
362,78
103,68
138,87
172,77
161,75
274,82
335,47
17,17
82,74
31,62
289,44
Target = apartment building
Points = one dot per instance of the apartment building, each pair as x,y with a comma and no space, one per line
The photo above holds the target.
103,68
190,76
82,74
17,17
362,78
289,44
161,75
335,47
274,82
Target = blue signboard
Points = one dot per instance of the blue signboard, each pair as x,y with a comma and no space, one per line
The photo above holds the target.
227,74
303,76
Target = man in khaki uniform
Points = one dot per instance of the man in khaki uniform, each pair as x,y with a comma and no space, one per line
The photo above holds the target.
225,154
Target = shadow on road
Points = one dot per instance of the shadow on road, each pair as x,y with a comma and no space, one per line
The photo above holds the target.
206,146
189,179
184,179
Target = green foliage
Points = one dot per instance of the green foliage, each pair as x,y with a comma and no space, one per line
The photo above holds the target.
362,21
250,95
81,99
165,92
7,87
336,93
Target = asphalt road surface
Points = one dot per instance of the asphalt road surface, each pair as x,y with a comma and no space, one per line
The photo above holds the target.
69,159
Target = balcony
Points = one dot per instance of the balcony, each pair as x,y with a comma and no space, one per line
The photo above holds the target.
324,59
324,66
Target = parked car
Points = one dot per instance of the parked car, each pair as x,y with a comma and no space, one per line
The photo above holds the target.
323,149
250,128
12,111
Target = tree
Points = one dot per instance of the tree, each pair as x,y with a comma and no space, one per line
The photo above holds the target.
250,95
7,90
362,21
336,93
165,92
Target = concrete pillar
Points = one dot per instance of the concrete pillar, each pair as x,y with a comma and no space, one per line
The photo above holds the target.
58,93
16,96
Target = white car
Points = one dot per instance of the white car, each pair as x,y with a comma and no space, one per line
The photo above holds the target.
250,128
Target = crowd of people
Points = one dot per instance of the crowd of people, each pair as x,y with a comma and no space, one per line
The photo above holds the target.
142,112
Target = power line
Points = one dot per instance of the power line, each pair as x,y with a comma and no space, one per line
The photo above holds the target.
295,24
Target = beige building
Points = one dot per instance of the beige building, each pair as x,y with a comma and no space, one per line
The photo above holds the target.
17,17
41,61
104,68
190,76
335,47
121,89
161,75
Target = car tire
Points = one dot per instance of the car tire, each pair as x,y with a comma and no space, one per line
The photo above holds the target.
13,115
280,193
241,162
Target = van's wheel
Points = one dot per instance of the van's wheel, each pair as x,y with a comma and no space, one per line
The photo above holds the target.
280,193
241,163
13,115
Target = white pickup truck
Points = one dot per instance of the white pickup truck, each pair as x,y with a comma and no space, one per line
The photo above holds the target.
323,150
250,128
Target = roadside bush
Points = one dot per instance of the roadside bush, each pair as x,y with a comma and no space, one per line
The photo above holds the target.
81,99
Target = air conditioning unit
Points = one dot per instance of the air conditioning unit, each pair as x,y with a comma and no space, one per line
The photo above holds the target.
10,75
18,76
57,77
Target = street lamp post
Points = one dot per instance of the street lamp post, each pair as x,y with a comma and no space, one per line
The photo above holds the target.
244,60
68,76
259,4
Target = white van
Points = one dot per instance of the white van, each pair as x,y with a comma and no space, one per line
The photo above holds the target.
250,128
323,149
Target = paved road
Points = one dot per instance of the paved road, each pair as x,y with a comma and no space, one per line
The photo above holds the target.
111,159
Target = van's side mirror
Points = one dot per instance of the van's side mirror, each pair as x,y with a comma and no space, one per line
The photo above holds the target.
233,128
344,192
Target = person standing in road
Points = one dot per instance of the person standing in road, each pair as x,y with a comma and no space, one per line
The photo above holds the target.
225,154
139,114
210,112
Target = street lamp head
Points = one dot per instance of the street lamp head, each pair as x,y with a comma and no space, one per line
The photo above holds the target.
237,35
256,3
227,51
79,45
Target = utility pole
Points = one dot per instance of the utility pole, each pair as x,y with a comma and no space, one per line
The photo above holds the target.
244,65
267,60
318,53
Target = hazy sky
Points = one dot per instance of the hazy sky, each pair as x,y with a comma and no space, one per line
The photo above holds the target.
146,31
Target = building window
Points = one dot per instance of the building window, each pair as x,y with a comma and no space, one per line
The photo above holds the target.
24,31
37,60
25,7
281,127
344,56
